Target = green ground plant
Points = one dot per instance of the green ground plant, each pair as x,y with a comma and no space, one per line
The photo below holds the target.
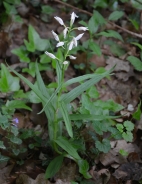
66,119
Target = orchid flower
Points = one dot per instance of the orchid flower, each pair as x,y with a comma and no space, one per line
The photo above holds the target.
50,55
59,20
73,16
56,37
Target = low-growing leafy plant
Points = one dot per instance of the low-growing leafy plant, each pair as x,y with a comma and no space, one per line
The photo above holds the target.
35,45
68,121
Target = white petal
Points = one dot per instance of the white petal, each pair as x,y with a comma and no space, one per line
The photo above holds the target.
65,62
75,42
60,44
73,16
72,57
50,55
82,28
71,45
55,36
130,107
59,20
65,32
79,36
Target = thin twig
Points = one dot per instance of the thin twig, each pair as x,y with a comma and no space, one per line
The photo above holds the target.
90,14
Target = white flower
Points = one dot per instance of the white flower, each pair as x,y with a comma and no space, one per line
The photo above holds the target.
73,16
71,45
75,42
65,62
65,32
55,36
72,57
79,36
50,55
60,44
82,28
59,20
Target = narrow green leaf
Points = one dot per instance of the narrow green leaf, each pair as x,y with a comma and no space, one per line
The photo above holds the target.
83,168
95,21
116,15
111,33
90,117
66,118
33,87
54,166
137,44
137,114
7,81
137,63
79,79
70,96
95,48
49,111
51,98
66,145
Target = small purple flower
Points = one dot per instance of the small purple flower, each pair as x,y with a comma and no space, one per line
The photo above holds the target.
15,120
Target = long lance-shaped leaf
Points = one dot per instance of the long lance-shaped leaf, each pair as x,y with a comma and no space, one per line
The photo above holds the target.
79,79
66,145
34,88
66,118
41,84
91,117
54,166
67,98
51,98
49,111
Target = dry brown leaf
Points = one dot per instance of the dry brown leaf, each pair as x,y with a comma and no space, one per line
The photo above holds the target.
120,64
102,176
129,171
4,174
25,179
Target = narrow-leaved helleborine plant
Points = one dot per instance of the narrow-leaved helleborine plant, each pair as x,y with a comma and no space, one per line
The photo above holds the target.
57,103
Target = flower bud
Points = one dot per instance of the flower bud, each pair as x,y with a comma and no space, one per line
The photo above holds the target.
73,16
65,62
60,44
55,36
72,57
59,20
82,28
71,45
65,32
79,36
50,55
75,42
